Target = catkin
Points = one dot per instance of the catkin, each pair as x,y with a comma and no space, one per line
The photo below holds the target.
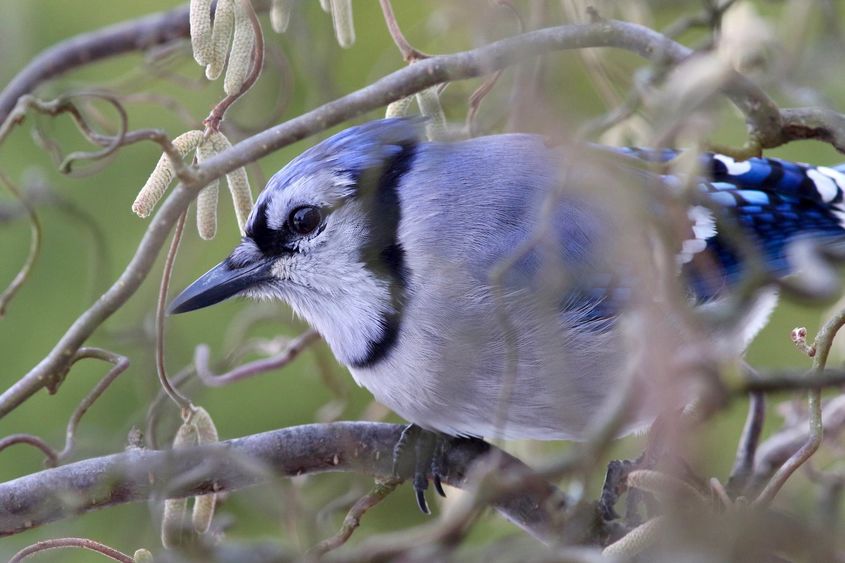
399,108
241,53
143,556
280,15
326,5
221,36
207,199
206,430
241,195
207,211
429,102
662,485
238,183
163,174
637,540
174,522
344,25
200,19
204,505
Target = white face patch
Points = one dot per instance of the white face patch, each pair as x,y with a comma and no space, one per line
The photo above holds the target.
734,168
326,283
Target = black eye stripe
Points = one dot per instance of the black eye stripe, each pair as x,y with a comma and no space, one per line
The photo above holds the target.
271,242
274,242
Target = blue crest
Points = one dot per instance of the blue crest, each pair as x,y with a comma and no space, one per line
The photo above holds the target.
354,150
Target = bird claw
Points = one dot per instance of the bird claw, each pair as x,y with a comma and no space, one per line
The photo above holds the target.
438,486
615,483
428,459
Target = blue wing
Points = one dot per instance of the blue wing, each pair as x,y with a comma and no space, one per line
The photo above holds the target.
773,201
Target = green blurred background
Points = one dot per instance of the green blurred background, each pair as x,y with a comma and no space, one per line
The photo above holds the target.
82,256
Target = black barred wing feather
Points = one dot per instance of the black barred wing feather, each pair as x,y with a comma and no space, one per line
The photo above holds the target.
772,201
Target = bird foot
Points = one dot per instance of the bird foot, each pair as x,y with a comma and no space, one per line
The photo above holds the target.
421,453
615,485
655,457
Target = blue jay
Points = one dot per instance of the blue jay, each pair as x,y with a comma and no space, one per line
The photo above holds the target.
385,243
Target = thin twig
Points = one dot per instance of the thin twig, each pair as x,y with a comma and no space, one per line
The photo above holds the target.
183,402
34,246
748,442
476,98
822,345
284,89
710,16
486,87
409,53
163,101
379,492
52,458
119,363
154,409
236,336
82,50
283,358
78,543
776,449
212,122
64,104
780,381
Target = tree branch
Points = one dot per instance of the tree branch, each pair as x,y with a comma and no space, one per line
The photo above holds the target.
140,475
126,37
763,115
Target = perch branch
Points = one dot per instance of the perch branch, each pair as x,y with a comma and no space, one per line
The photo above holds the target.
140,475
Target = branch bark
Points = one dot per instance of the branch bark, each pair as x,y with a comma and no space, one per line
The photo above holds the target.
140,475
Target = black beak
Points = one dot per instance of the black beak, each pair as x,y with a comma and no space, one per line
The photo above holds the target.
219,283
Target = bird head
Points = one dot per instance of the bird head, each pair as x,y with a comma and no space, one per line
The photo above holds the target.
323,237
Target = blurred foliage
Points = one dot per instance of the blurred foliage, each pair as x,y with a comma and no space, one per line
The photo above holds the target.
72,269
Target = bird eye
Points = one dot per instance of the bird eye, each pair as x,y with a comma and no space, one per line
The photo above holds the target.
303,220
